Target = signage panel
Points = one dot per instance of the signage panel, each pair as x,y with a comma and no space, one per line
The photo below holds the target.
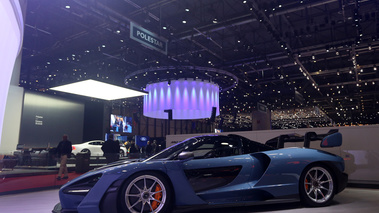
262,108
148,38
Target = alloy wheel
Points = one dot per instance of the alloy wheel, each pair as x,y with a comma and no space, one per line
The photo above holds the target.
146,193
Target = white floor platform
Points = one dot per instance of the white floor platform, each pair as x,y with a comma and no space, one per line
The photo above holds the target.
351,200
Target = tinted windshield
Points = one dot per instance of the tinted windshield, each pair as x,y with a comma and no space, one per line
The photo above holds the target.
173,151
212,147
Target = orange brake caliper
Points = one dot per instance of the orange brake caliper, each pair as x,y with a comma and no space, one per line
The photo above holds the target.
157,196
306,185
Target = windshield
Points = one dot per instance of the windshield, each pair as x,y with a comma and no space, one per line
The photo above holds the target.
173,151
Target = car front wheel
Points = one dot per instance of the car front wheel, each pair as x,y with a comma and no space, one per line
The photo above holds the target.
147,192
317,186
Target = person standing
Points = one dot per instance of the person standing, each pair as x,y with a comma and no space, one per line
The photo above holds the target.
64,149
134,150
154,147
148,149
111,149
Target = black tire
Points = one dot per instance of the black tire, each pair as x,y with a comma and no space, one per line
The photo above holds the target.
86,151
146,192
317,187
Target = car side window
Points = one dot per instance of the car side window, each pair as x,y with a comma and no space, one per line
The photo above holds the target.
253,146
220,147
228,147
203,149
95,143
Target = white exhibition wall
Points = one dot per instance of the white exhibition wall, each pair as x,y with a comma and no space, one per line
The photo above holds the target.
360,147
13,111
11,25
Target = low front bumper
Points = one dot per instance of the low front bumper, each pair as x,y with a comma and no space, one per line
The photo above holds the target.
58,209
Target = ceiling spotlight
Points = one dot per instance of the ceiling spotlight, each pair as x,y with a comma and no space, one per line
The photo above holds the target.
147,19
184,21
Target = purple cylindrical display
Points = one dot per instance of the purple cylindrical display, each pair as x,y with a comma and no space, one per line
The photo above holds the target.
188,99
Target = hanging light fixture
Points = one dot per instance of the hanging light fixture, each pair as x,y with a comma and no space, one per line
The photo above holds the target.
187,98
97,89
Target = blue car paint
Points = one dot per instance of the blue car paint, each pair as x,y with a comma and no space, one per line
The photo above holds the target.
239,185
283,174
278,180
90,203
254,182
184,194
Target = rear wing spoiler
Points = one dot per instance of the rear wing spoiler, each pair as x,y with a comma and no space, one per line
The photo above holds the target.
331,139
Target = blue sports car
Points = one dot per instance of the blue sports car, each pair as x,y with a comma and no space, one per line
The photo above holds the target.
208,171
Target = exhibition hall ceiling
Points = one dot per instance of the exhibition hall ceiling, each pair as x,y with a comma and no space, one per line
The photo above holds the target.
285,54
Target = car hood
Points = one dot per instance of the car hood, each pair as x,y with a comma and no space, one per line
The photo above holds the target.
117,163
102,169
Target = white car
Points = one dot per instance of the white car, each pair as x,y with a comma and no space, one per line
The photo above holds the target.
94,148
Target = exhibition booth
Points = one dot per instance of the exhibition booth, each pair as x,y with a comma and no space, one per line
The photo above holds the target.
32,124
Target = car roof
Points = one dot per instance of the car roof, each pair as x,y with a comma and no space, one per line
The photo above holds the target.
235,136
89,142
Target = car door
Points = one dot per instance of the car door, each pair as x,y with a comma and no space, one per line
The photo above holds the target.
95,147
218,168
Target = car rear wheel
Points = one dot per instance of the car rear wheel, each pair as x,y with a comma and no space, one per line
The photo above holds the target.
317,186
86,151
146,192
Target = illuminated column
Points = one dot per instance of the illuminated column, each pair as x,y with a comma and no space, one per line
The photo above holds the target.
188,99
11,25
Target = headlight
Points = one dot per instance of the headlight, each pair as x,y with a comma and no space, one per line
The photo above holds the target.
82,187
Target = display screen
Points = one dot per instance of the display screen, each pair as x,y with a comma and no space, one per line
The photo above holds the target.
218,130
121,123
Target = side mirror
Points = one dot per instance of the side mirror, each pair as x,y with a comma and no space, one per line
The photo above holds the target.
332,140
185,155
